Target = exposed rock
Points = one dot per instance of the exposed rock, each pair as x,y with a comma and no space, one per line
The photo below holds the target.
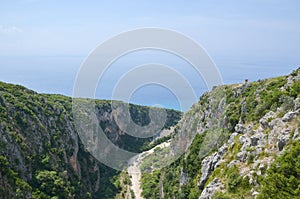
245,140
254,193
183,178
289,116
249,130
291,79
261,167
264,121
239,128
283,140
222,150
213,187
297,104
296,134
251,177
276,122
209,164
232,163
242,156
259,139
231,139
254,141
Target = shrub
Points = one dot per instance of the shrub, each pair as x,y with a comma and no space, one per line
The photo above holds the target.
283,177
233,179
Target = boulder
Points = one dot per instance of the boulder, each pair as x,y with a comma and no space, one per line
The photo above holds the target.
289,116
276,122
242,156
239,128
231,139
210,163
211,189
232,163
297,104
296,134
264,121
245,140
259,139
282,140
254,141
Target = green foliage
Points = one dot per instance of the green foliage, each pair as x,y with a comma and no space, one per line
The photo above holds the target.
23,190
233,179
294,90
155,160
3,164
191,165
170,178
259,98
150,185
220,195
25,118
283,177
40,126
156,142
193,159
54,185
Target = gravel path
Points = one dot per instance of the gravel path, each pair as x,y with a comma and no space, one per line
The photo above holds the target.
135,172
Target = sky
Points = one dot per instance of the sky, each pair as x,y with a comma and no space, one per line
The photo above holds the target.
242,28
35,35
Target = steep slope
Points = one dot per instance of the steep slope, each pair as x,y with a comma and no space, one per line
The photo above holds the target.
41,155
253,148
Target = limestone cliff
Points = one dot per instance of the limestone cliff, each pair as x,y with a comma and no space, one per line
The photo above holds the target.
41,154
253,135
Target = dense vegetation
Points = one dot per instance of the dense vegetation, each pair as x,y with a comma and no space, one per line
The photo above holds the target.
245,104
41,155
283,178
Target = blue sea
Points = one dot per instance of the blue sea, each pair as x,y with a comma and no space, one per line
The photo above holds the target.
57,74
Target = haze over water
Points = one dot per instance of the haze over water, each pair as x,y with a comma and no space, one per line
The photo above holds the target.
56,74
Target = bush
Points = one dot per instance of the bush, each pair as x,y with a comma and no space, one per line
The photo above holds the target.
233,177
220,195
150,184
52,184
283,177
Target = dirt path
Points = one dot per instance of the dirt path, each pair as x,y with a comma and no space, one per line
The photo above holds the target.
135,172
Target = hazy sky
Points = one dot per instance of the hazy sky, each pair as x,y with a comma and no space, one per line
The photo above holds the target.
44,42
256,28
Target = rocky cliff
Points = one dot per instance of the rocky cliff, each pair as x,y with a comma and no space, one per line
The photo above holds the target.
238,141
41,154
245,144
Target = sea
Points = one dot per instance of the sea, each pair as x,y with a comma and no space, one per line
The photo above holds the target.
57,74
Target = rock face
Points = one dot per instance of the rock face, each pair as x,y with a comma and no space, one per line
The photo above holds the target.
264,121
290,115
239,129
210,163
258,121
213,187
39,146
183,178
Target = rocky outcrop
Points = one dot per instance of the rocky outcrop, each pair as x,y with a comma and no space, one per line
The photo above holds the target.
290,115
183,180
213,187
210,163
38,137
258,121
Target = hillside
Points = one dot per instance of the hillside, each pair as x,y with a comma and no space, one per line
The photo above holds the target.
246,145
41,154
238,141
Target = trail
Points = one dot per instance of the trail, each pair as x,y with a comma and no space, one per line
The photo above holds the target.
135,172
